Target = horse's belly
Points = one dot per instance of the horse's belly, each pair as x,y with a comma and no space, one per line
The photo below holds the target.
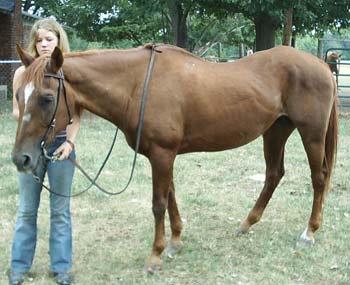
217,140
228,122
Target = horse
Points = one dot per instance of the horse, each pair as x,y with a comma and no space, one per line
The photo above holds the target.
333,60
192,106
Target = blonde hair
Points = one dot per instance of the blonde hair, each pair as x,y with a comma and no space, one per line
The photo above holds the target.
52,26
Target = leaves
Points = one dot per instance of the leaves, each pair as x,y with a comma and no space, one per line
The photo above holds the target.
206,21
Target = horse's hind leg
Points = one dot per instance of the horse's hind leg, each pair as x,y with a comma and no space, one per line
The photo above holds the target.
314,147
274,142
175,223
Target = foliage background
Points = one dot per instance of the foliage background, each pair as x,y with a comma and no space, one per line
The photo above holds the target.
195,25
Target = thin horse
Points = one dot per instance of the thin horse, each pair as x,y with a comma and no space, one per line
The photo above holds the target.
192,106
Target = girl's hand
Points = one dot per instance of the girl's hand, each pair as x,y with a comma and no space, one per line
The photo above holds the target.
64,150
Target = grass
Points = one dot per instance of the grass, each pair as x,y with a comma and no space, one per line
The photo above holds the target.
215,191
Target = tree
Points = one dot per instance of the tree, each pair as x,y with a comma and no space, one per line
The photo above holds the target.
35,7
288,27
265,14
269,15
187,23
133,22
178,12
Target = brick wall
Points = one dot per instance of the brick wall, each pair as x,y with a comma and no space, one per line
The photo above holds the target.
5,35
11,32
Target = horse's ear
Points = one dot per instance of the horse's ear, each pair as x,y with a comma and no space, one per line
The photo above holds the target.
25,57
56,60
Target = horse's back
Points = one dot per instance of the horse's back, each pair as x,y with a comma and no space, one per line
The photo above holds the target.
216,106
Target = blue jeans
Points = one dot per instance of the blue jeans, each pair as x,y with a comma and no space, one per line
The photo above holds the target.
60,175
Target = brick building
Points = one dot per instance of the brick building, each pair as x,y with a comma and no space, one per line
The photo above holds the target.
11,29
14,29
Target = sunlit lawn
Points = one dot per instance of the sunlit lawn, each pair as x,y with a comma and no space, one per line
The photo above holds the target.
215,191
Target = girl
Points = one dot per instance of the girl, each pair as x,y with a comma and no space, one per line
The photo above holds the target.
45,35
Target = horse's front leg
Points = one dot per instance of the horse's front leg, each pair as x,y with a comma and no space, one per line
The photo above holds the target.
162,171
175,222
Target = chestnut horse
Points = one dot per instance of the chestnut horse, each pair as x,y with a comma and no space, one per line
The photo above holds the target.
192,106
333,60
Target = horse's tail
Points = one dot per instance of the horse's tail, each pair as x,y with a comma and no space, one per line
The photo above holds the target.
331,138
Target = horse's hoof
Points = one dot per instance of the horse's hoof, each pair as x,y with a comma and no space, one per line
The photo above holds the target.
172,249
152,264
305,240
240,232
151,268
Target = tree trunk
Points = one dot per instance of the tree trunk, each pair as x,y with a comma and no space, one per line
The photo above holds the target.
178,21
265,30
294,41
26,5
287,29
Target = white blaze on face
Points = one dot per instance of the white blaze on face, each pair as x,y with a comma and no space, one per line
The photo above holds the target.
27,117
28,91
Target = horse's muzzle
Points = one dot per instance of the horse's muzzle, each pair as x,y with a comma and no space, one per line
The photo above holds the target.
23,161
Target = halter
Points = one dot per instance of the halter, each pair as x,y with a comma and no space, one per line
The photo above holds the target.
52,124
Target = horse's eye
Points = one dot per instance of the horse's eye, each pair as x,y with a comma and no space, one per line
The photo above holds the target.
46,100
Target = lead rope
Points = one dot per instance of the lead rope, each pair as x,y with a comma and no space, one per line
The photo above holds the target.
137,145
93,182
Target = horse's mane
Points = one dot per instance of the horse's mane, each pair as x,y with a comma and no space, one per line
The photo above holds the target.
98,51
174,48
159,47
35,71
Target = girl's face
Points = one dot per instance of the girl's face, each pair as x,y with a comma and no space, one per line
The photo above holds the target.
46,42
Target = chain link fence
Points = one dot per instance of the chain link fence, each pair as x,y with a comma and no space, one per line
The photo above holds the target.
7,69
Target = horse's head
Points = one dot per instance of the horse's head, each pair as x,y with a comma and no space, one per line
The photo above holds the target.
333,60
39,105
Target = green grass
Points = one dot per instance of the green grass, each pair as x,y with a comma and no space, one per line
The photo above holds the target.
113,235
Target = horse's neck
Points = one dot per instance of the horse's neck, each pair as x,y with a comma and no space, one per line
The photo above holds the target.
104,83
